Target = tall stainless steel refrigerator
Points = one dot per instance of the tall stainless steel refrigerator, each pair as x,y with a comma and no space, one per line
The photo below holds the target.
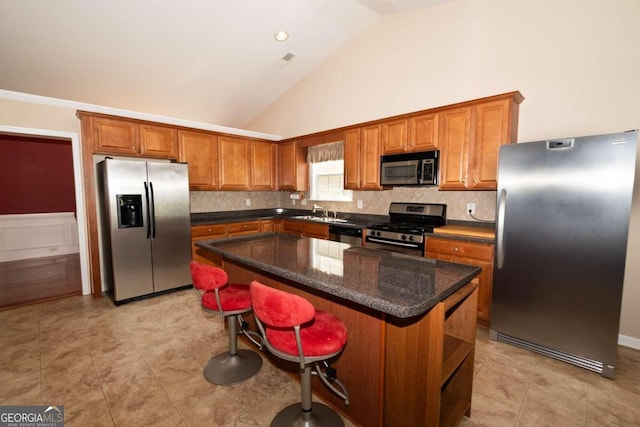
145,228
563,210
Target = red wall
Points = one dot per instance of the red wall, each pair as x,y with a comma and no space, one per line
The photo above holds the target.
36,175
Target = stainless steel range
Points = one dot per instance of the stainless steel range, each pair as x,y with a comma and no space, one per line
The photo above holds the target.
406,227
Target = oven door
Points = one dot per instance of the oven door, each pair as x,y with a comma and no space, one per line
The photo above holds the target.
416,249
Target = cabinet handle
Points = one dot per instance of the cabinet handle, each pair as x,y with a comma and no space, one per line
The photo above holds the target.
456,249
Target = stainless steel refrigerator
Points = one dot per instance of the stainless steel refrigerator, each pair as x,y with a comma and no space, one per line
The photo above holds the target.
145,227
563,210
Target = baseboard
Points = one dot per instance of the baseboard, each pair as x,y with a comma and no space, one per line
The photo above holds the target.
631,342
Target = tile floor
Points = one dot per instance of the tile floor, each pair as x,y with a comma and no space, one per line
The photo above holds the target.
141,364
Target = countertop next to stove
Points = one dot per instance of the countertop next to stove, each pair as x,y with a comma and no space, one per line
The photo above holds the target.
396,284
455,229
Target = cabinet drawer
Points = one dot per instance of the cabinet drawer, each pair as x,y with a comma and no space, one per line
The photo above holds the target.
213,230
458,248
247,227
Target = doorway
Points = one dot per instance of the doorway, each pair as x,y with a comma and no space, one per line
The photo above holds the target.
59,273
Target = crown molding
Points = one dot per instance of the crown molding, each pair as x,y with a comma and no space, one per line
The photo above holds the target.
64,103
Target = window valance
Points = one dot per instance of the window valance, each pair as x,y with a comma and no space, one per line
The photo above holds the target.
325,152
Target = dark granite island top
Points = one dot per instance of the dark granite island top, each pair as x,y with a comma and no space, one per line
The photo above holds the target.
412,322
396,284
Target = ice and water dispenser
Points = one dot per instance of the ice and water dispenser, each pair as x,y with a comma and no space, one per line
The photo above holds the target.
129,210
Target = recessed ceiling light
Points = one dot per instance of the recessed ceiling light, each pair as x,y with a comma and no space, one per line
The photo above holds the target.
281,36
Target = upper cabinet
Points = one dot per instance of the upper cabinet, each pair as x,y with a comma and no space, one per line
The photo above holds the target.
413,134
235,173
132,138
470,138
200,151
263,165
292,167
362,150
352,159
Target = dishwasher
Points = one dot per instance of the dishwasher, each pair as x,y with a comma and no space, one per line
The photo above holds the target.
345,234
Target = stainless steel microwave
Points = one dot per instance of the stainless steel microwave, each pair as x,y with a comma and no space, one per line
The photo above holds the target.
410,168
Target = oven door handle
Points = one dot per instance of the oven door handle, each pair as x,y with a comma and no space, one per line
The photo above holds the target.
387,242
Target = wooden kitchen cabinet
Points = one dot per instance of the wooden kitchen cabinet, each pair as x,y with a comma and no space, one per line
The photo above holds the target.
470,138
206,232
267,226
423,132
263,165
235,165
415,134
352,159
158,141
395,136
318,231
292,167
294,228
243,228
200,151
112,135
471,253
362,150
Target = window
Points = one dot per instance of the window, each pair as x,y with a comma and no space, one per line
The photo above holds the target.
326,181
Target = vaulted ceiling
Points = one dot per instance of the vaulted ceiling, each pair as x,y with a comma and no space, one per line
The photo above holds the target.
213,61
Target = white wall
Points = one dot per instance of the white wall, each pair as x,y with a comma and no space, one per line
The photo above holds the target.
575,61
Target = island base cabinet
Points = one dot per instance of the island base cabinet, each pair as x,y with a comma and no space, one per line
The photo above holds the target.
429,363
415,372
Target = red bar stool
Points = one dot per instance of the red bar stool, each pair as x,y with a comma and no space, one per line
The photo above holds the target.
232,301
294,330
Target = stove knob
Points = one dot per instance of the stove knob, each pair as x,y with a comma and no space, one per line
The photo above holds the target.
411,238
378,234
404,237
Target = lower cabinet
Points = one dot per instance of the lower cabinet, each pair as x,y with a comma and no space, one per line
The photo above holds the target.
306,229
471,253
206,232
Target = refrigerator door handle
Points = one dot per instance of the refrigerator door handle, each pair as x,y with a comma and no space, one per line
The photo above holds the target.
502,201
146,196
152,206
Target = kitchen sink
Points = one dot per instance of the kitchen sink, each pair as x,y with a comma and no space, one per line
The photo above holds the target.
320,218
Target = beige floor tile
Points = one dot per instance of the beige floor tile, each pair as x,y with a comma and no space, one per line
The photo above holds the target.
140,402
216,408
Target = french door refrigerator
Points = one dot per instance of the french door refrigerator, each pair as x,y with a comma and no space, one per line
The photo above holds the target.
563,210
145,227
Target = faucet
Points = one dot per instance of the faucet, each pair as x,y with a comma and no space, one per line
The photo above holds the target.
317,208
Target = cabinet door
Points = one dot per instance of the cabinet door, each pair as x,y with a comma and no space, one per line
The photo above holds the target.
478,254
267,225
158,141
454,140
319,231
394,137
423,132
263,165
292,167
200,151
352,159
234,163
292,227
370,158
115,136
492,129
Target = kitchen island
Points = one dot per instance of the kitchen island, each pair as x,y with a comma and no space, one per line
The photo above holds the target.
411,321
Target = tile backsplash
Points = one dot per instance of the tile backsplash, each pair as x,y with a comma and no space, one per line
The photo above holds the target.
373,202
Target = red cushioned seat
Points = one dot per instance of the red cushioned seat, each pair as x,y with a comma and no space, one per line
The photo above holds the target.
230,301
294,330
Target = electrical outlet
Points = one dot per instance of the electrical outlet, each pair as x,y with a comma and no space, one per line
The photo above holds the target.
247,202
471,208
303,202
359,204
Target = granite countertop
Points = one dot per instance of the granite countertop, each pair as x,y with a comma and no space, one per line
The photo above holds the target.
396,284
